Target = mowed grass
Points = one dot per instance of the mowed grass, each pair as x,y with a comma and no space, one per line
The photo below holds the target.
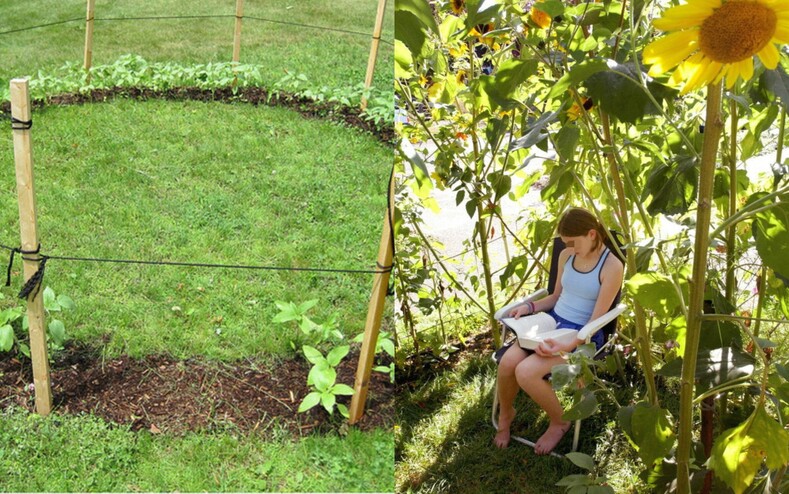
207,183
444,440
325,56
85,454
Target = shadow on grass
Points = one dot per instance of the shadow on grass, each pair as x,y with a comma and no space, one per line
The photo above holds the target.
444,438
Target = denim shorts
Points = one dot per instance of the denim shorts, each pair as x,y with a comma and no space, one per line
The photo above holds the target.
561,323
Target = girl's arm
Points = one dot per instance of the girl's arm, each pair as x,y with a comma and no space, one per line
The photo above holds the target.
546,303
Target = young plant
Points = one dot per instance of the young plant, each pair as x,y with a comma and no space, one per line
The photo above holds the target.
384,344
322,379
318,333
56,330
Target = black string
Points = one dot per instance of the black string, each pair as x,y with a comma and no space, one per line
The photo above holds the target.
41,25
17,124
309,26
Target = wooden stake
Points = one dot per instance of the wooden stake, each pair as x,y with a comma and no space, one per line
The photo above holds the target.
28,227
237,33
379,24
89,37
374,314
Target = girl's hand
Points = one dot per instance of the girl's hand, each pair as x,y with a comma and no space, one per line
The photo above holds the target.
550,347
521,310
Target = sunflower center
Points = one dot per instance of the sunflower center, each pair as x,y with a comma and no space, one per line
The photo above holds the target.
737,30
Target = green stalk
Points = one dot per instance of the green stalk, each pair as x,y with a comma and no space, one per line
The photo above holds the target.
709,153
482,227
732,231
643,338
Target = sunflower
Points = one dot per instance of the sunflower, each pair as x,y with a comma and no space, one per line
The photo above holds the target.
712,39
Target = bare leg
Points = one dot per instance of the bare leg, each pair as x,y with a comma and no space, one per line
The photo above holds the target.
507,389
529,374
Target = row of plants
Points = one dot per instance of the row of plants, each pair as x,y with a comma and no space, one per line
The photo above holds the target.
133,71
498,95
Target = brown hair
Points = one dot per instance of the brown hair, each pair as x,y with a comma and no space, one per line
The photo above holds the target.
576,222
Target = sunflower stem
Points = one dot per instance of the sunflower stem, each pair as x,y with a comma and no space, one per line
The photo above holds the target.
712,132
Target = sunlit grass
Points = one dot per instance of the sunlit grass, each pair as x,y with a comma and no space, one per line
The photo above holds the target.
206,183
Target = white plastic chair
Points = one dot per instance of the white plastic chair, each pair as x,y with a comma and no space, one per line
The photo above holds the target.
585,333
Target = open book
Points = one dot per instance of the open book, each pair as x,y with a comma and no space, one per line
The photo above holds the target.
533,329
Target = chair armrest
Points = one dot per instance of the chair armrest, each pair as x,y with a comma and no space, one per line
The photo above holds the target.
504,311
593,327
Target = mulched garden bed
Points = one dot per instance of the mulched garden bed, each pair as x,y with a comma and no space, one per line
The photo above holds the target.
162,394
252,95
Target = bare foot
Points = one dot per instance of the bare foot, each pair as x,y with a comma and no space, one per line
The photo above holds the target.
551,438
502,438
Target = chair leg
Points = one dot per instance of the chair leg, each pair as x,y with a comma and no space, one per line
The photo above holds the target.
576,435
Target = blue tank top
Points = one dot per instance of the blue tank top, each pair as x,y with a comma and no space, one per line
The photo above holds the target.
579,291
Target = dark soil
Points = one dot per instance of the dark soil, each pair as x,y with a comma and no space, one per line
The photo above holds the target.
256,96
162,394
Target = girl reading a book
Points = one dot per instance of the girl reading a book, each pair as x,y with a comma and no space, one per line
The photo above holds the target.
588,280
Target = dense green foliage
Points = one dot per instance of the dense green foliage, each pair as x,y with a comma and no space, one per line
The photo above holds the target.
494,96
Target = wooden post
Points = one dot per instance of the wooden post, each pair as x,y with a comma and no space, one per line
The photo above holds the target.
379,24
237,33
28,227
89,37
374,314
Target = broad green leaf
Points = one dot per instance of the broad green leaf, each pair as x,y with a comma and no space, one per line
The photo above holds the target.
309,304
652,432
404,62
574,480
309,401
777,82
57,330
553,8
581,460
328,400
344,389
66,302
6,338
322,376
500,87
413,20
672,186
714,367
50,302
535,132
564,374
737,453
343,410
481,12
771,231
287,312
617,94
313,354
566,140
421,174
654,291
337,354
579,73
584,406
388,346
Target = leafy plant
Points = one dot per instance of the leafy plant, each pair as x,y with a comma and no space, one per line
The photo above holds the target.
383,344
14,324
317,333
322,379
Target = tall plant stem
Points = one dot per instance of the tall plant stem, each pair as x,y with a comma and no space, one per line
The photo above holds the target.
731,232
643,339
712,132
483,229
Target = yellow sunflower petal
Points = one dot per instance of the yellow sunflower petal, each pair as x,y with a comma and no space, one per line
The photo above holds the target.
684,16
666,52
692,69
781,33
769,56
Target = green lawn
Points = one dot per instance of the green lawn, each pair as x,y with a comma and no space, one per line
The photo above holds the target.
444,440
85,454
206,183
326,57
